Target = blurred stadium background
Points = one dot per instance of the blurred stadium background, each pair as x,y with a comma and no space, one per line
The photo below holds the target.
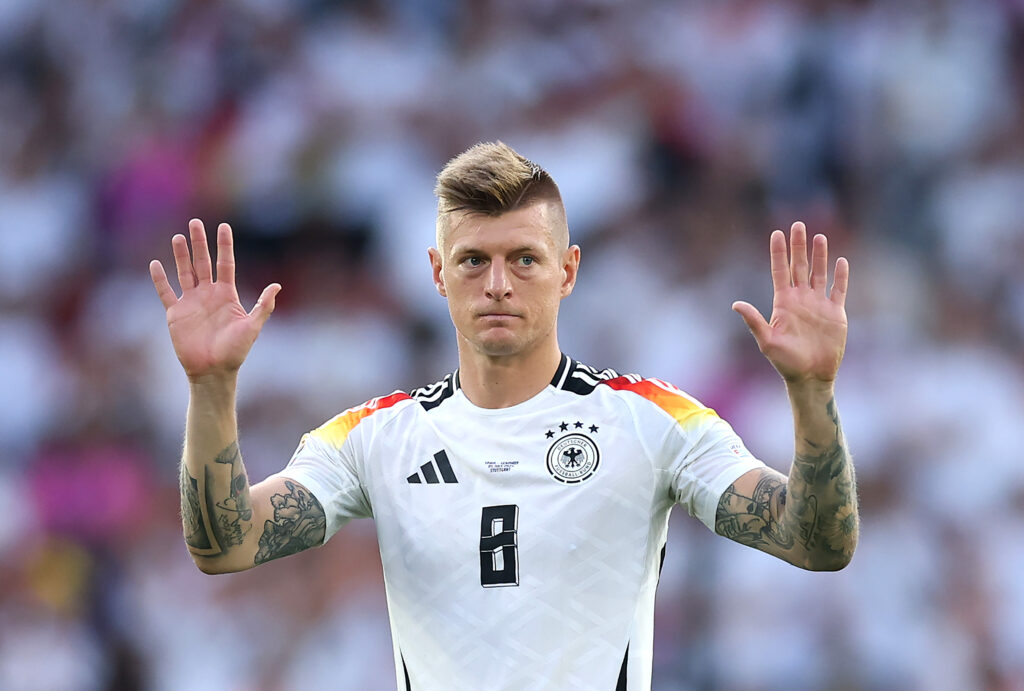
681,134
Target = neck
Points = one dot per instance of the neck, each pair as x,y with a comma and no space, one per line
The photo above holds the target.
490,381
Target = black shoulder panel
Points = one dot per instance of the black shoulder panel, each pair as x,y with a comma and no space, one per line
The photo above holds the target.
583,379
434,394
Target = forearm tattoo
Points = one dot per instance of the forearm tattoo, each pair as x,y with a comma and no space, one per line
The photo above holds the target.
298,524
196,534
234,513
814,514
212,524
754,520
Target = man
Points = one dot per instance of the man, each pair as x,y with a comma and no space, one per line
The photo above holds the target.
522,502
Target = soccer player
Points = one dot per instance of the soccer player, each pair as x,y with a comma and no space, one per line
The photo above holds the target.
521,503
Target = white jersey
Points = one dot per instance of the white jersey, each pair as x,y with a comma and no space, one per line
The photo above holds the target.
522,546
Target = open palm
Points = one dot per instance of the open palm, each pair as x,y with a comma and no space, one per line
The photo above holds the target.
210,330
806,335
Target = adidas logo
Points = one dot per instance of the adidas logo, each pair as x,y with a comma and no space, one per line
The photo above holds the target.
428,472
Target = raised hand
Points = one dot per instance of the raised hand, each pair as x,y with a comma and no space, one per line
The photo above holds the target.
210,330
806,336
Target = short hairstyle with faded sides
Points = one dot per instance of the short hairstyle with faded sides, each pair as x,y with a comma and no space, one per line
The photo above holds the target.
491,179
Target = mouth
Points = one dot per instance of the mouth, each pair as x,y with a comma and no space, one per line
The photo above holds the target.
497,315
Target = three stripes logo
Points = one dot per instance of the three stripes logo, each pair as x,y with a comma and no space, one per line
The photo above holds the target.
430,471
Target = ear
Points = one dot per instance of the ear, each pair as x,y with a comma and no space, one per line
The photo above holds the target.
435,268
570,269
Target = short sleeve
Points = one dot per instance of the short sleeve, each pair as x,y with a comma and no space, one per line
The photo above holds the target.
329,473
696,451
707,457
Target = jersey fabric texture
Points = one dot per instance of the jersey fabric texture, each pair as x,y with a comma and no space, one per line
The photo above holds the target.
522,546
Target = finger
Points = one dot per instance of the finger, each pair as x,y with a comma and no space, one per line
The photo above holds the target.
798,253
225,255
754,321
163,287
841,281
819,262
780,261
200,251
265,305
183,262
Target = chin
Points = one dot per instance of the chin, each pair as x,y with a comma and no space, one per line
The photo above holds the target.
498,346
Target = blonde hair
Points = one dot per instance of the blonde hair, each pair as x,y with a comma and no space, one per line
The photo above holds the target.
491,178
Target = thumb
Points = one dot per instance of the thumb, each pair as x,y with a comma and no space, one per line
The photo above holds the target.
753,319
265,305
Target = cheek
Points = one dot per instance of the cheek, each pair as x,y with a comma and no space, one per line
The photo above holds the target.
552,296
461,294
452,288
459,302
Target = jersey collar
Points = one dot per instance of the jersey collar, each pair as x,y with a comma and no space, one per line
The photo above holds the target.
565,366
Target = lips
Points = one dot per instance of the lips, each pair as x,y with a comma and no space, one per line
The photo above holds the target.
497,316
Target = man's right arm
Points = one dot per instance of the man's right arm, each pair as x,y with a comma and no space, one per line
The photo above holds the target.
228,525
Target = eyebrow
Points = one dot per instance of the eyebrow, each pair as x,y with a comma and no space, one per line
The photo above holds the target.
469,249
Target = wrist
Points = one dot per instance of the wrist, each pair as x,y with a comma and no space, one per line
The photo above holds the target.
220,385
810,388
211,422
815,417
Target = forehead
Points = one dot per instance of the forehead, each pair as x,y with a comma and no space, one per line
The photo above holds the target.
531,226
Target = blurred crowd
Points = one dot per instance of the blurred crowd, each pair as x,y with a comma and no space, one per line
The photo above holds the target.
681,134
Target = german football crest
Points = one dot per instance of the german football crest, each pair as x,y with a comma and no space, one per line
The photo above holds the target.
574,457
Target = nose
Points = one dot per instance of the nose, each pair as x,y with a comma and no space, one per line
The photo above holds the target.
499,285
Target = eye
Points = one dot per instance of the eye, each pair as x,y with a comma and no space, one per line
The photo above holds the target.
473,262
526,260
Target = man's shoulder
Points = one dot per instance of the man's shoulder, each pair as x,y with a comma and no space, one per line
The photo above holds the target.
584,379
338,428
428,397
433,395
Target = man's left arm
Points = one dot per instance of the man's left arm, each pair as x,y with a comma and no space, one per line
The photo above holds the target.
809,519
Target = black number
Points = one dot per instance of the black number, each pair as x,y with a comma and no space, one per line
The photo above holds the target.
499,551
